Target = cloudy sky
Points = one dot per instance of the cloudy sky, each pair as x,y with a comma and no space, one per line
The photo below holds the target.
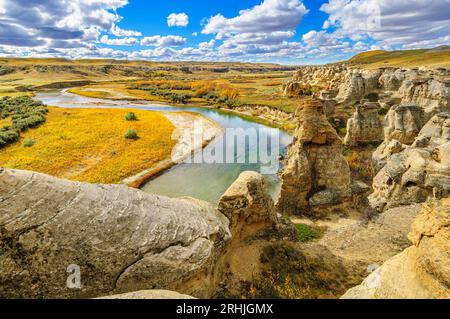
281,31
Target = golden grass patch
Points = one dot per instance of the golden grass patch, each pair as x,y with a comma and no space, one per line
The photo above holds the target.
89,145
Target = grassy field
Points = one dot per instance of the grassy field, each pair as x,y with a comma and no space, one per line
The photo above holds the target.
89,145
405,58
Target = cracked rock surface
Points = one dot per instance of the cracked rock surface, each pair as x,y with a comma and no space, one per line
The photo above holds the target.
121,238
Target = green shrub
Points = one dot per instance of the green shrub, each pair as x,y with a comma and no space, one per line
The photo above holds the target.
306,233
29,142
131,135
131,116
24,112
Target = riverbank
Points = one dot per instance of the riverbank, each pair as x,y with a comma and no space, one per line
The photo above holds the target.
189,141
261,114
89,145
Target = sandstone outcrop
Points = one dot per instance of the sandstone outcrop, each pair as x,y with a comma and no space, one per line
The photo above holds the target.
357,84
427,88
121,239
401,126
417,172
316,175
247,201
364,127
420,271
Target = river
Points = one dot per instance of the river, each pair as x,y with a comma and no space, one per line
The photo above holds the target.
199,180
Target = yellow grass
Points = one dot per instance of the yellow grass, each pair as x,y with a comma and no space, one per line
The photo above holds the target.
5,121
89,145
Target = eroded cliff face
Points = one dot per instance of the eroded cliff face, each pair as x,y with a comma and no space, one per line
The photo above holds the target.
418,172
420,271
427,88
316,175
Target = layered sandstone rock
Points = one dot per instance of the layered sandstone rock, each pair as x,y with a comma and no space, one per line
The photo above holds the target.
418,172
247,201
121,239
316,175
427,88
364,127
420,271
401,126
433,94
357,84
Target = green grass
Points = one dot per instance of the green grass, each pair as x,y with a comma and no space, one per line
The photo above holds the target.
307,233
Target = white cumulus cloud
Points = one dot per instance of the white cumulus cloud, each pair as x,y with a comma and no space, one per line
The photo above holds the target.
119,41
177,20
163,41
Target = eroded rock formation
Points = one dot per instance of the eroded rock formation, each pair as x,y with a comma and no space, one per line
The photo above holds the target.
401,126
420,271
122,239
316,175
364,127
417,172
427,88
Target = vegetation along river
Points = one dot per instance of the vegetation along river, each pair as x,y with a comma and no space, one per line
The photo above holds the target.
205,181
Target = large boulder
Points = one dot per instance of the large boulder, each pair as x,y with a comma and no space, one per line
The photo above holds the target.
316,175
118,239
420,271
364,127
418,172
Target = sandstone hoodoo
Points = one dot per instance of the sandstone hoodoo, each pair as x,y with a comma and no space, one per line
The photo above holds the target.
316,175
418,172
420,271
401,126
403,123
364,127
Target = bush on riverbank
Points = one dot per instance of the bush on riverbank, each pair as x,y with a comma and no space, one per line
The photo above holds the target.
25,113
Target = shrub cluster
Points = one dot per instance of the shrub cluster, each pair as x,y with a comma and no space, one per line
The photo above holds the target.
25,113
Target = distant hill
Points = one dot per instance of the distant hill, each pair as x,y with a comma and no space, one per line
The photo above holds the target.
436,57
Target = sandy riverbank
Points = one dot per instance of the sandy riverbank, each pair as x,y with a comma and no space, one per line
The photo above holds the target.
193,132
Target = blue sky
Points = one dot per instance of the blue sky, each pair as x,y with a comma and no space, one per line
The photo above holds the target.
280,31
